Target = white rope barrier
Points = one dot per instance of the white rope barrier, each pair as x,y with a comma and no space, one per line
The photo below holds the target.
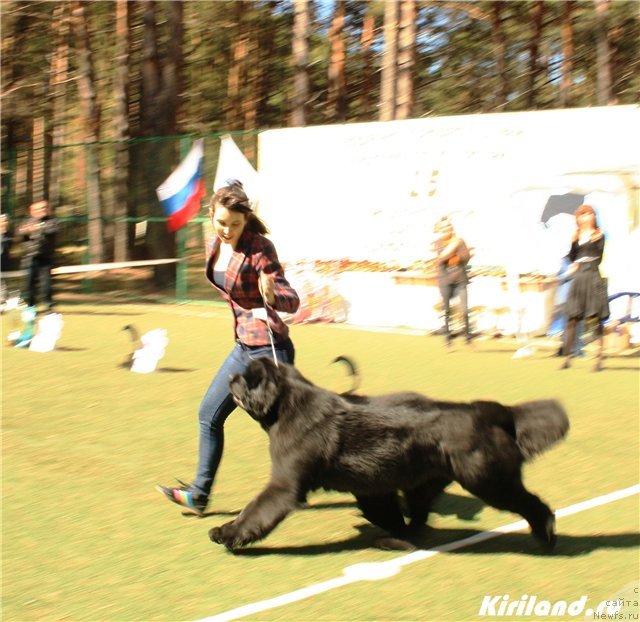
95,267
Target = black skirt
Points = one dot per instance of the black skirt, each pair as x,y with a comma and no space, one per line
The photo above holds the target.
588,294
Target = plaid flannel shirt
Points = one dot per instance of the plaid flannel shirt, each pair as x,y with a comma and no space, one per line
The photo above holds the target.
253,255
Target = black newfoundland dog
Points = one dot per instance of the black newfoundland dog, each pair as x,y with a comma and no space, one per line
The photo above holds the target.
379,447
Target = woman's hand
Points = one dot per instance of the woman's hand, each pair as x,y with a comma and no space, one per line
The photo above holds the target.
265,284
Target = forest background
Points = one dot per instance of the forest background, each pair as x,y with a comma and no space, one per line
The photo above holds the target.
101,99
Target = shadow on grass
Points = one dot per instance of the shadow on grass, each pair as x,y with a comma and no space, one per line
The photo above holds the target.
518,543
621,357
208,514
161,370
448,504
118,313
464,508
69,349
364,540
329,505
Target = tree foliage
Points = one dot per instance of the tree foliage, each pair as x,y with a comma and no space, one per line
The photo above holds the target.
196,68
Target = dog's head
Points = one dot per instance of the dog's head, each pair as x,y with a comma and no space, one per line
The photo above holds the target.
258,389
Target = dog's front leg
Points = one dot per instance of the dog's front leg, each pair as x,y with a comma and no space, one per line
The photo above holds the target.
259,517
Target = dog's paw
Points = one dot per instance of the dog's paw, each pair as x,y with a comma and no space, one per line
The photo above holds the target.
215,535
235,544
223,534
550,533
546,535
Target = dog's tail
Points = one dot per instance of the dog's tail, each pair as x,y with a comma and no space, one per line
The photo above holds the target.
539,424
136,344
353,372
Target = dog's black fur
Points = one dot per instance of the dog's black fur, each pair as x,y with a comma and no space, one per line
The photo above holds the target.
376,447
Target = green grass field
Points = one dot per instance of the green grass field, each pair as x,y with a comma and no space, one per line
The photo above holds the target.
85,537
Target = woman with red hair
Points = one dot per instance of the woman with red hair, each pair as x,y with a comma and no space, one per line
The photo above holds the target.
588,294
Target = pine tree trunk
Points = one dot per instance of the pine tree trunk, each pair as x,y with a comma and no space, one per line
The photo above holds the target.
251,85
161,71
406,59
337,100
368,69
300,50
567,54
58,80
161,88
91,120
267,46
172,75
389,61
237,70
499,54
536,15
121,132
604,94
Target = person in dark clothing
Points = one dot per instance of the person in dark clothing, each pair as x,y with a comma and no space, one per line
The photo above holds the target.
558,320
5,250
5,242
588,294
39,238
452,256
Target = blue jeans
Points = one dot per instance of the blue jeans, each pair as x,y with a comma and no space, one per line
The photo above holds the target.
449,291
218,404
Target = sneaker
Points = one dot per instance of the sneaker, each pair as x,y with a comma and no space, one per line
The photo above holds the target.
182,495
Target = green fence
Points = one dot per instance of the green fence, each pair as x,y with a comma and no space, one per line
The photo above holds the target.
61,175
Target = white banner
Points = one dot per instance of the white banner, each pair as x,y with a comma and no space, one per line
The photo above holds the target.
372,191
232,164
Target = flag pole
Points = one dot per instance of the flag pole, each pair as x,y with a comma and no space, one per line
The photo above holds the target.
182,236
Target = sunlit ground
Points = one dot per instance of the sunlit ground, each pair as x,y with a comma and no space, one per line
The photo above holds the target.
86,536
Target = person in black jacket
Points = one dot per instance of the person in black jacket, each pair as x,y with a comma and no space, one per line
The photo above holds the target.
5,257
38,238
588,293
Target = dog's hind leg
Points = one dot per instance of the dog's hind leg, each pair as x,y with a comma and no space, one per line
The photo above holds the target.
383,511
513,496
420,499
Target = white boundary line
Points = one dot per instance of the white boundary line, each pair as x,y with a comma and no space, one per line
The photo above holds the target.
383,570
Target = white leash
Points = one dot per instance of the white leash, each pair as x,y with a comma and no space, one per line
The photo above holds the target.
266,310
273,347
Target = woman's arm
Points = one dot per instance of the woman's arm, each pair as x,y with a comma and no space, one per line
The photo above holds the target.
26,228
50,226
276,289
449,250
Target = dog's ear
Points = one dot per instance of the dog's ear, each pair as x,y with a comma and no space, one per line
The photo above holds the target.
273,370
263,384
268,364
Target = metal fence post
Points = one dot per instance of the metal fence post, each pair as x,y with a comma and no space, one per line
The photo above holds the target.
87,281
182,236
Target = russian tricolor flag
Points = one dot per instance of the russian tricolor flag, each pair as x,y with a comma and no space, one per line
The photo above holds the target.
182,192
